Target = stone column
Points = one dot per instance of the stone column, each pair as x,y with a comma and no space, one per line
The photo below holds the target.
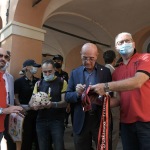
24,42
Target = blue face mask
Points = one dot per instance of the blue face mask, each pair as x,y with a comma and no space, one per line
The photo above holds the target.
48,78
126,49
33,70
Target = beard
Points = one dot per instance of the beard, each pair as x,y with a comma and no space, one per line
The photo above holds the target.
2,63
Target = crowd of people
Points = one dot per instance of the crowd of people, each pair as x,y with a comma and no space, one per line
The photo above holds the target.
44,125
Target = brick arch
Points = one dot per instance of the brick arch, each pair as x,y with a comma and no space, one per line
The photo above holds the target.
140,37
73,59
31,15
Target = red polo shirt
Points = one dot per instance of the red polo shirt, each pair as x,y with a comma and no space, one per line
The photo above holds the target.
2,100
134,104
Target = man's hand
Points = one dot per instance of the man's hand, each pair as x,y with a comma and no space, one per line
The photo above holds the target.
12,109
80,89
49,105
24,112
37,107
98,88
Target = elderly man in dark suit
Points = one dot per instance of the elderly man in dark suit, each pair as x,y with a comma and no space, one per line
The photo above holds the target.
86,124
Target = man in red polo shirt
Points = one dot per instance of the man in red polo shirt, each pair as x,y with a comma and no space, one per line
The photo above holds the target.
131,81
3,104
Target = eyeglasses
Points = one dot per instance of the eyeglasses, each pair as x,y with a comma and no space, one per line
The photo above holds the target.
126,41
47,71
7,57
91,59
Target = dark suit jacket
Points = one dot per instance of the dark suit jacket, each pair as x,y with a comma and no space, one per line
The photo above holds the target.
77,77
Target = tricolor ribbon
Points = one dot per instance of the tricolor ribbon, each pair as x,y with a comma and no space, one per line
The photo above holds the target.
104,135
88,98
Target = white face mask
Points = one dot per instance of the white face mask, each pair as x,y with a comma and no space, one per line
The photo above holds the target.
126,49
33,70
6,66
49,77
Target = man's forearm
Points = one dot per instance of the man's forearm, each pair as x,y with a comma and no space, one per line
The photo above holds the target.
17,102
60,104
123,85
130,83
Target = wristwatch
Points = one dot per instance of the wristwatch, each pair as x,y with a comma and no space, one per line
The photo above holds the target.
106,87
1,111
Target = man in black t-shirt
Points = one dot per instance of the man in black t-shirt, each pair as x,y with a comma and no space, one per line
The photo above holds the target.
58,60
50,120
23,91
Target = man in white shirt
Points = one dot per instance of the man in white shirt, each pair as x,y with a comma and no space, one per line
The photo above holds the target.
9,84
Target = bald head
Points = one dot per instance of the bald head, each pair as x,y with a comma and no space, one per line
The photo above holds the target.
89,48
89,54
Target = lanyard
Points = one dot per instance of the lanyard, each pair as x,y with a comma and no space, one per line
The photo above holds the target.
104,135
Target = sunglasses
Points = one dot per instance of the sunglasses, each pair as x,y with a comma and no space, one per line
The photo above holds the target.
47,71
7,57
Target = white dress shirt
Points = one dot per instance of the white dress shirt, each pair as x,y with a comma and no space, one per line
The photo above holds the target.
9,83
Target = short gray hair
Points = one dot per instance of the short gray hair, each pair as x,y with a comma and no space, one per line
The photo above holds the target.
49,61
122,33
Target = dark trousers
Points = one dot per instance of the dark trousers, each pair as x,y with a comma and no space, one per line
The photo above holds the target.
136,136
83,141
1,136
29,131
66,118
72,112
50,132
11,145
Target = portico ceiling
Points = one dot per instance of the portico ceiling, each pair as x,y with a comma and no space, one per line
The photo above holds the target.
98,20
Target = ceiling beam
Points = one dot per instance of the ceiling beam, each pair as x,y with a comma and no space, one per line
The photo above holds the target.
35,2
76,36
